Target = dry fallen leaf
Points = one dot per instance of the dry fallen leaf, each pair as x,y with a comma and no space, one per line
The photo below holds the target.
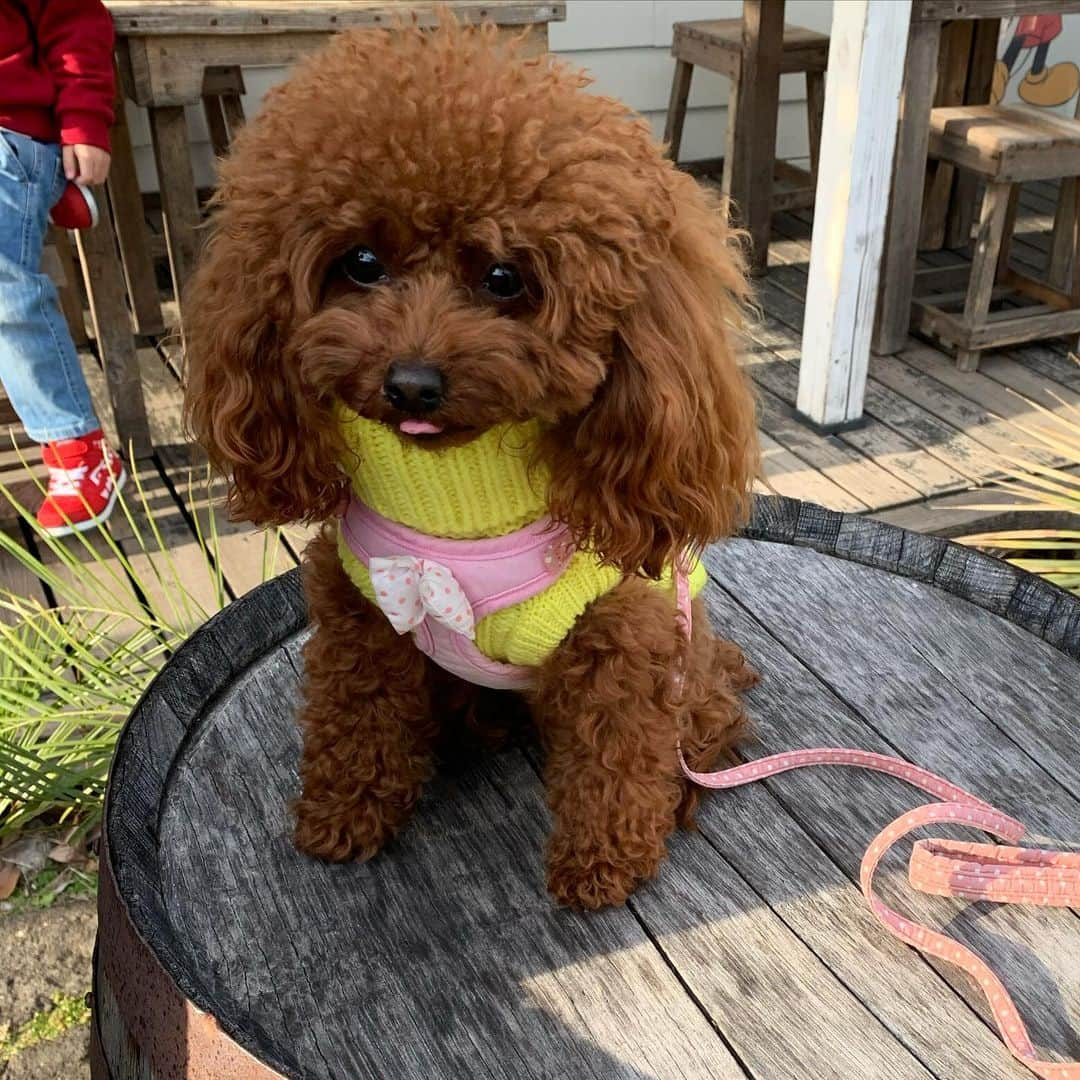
65,853
9,878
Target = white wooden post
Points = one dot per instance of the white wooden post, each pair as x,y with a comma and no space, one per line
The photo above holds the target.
862,98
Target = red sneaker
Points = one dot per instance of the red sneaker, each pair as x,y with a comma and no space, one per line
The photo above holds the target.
75,209
85,476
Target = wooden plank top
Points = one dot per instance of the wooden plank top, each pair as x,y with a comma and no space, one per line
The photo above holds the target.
752,955
940,10
152,18
993,129
729,32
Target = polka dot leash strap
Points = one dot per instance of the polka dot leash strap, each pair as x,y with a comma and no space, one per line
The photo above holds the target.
946,868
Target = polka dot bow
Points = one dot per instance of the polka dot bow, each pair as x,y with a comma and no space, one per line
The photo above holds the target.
409,589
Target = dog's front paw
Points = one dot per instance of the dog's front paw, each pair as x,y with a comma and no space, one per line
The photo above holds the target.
590,884
339,832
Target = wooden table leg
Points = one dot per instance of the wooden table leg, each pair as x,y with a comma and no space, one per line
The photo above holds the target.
756,108
130,224
909,174
104,282
179,199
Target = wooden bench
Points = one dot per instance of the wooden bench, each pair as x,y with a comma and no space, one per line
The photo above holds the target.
1006,147
222,951
719,45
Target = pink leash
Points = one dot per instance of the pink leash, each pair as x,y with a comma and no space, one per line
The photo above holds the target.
1006,875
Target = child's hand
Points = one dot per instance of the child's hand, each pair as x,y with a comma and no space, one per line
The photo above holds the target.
87,164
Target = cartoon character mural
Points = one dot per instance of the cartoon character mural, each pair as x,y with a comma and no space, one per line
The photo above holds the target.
1043,86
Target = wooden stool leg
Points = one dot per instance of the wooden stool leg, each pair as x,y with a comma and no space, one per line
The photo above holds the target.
1072,194
70,295
1007,233
676,112
179,199
1061,246
233,106
984,265
104,282
815,111
130,224
732,147
216,124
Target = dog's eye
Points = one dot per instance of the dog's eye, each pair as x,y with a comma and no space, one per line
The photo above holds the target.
503,282
362,267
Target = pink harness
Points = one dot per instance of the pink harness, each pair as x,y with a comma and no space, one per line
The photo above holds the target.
440,589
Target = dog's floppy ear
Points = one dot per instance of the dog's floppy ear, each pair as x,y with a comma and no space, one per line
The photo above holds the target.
244,402
664,458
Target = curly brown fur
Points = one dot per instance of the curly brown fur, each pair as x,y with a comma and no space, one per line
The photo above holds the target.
444,154
368,728
611,709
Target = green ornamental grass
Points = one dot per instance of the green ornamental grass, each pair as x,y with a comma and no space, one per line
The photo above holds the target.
71,673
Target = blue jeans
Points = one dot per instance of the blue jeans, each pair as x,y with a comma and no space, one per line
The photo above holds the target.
38,363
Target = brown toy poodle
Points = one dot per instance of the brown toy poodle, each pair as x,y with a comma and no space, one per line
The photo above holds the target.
427,249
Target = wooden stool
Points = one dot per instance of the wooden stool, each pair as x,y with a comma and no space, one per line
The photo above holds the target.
1006,146
717,44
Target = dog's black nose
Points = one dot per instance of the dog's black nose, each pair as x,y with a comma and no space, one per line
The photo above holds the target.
414,387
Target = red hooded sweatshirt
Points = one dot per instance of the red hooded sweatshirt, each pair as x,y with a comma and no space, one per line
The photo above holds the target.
56,70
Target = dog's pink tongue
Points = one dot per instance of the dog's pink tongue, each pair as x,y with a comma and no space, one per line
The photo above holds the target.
419,427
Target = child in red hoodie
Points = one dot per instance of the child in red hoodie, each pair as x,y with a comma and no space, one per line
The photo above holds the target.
56,99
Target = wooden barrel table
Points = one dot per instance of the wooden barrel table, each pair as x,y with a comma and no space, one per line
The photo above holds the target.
223,952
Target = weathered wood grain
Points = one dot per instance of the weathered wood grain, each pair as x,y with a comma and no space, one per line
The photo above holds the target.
941,433
825,696
993,391
994,435
773,365
104,282
786,474
448,940
725,966
861,477
753,111
862,102
245,17
939,10
912,138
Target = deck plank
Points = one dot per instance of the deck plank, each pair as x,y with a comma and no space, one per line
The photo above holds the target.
993,392
880,443
974,415
786,474
919,416
246,554
992,434
864,479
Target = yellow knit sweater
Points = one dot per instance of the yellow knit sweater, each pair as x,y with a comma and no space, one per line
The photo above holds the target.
484,488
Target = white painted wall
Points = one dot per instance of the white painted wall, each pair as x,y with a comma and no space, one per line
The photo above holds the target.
626,47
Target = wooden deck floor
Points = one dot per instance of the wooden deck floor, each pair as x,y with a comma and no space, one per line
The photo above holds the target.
932,434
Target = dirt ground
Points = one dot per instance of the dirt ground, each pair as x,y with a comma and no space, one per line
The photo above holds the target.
41,953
